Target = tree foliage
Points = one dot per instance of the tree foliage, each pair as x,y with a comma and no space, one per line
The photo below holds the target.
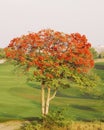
58,59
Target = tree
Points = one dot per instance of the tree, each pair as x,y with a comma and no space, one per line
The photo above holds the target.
101,55
94,53
58,60
2,53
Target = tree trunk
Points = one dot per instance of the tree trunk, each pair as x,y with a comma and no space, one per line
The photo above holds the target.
43,98
47,101
49,98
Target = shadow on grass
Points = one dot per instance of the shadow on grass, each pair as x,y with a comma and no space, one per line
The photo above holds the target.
84,119
59,94
101,119
39,119
100,67
81,96
33,85
9,117
81,107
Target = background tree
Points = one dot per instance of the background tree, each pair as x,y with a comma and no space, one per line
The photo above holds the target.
57,60
101,55
94,53
2,53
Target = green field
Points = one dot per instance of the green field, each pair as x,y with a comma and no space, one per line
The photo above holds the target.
20,99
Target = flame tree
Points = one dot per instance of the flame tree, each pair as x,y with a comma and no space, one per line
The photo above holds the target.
58,60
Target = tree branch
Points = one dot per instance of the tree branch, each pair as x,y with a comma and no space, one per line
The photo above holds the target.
54,94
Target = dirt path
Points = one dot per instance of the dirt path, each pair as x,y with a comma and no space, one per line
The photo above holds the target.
10,125
99,60
2,61
15,125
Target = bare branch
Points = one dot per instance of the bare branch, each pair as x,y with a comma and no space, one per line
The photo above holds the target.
54,94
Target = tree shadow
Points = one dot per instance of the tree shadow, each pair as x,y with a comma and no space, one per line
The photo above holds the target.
7,117
84,119
81,107
39,119
59,94
33,85
81,96
100,67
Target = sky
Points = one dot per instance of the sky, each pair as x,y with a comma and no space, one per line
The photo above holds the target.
18,17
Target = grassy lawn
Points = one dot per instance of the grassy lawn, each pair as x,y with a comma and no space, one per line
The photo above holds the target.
17,99
20,99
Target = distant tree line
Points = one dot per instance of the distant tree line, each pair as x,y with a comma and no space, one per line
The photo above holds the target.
95,54
101,55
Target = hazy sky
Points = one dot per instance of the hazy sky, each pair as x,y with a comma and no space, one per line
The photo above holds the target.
19,17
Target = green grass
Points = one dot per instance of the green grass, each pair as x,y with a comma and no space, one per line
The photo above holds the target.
20,99
99,63
17,99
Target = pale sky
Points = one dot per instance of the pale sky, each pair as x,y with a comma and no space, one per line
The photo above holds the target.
18,17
